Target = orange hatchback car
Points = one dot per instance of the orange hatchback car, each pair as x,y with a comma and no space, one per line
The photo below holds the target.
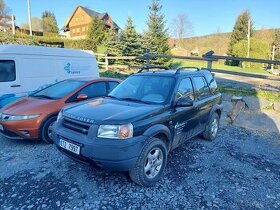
32,117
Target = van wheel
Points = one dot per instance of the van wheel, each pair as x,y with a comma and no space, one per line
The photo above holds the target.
46,131
151,163
212,127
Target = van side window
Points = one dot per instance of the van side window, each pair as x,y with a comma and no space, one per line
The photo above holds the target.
202,89
7,71
212,83
185,89
94,90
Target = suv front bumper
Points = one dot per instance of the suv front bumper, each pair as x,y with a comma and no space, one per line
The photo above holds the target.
119,155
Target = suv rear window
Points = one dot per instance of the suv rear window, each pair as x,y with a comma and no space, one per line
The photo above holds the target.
202,89
7,71
212,83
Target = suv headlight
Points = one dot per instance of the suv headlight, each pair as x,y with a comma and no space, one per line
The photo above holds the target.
21,117
115,131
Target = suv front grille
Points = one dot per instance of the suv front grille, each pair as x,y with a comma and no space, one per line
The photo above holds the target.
76,125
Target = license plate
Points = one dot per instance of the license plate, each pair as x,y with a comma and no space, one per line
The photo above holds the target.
69,146
1,128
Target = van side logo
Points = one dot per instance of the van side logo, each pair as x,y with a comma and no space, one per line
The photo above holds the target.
69,70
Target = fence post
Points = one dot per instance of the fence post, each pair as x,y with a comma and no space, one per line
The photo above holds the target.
273,57
147,55
106,61
209,65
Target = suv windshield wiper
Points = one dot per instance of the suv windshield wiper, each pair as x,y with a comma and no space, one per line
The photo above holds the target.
43,96
114,97
136,100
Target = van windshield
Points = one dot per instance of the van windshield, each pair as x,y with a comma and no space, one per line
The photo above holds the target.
144,89
58,90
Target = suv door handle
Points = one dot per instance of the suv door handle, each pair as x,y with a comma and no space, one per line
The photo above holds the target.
15,85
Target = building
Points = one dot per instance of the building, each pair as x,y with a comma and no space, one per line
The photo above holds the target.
77,25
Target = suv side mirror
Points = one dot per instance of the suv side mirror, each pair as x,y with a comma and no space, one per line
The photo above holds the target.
184,102
82,97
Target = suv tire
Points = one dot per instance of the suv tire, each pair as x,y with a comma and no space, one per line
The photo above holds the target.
212,127
151,163
46,129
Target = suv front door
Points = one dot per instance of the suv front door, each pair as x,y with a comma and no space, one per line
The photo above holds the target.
184,117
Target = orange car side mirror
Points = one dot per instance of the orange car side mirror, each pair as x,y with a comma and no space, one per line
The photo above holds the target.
82,97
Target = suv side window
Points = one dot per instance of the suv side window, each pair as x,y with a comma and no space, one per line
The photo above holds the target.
111,86
94,90
185,89
202,89
7,71
212,83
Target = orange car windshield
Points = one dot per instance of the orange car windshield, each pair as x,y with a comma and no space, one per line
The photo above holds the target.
59,90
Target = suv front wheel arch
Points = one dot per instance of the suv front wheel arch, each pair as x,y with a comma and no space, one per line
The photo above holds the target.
160,131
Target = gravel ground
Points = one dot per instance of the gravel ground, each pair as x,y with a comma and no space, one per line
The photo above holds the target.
239,170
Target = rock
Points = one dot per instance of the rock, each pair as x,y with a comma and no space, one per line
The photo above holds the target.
276,106
227,106
30,206
239,106
58,203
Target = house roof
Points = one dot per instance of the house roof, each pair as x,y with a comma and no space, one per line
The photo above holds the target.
90,13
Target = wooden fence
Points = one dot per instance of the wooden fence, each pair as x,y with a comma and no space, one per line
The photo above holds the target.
208,57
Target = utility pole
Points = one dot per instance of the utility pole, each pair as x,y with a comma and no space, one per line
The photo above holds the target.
13,25
29,17
249,36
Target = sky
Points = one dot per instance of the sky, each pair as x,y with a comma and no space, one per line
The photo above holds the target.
206,16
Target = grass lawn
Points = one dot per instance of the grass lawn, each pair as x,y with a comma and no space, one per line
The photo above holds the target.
178,63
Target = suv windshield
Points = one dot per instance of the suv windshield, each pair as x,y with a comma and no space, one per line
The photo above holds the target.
146,89
58,90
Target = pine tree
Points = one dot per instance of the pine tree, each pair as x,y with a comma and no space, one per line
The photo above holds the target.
156,37
111,41
130,40
49,23
96,30
240,31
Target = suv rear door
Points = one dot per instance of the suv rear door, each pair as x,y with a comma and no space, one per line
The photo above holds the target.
203,100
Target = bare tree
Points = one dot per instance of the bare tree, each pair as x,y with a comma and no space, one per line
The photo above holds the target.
181,28
36,24
4,11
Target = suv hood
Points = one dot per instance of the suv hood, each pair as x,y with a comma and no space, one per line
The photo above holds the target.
110,111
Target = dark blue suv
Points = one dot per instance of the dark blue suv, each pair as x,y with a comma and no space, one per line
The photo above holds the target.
141,121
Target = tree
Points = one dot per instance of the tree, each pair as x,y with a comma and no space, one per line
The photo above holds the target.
36,24
276,42
111,41
258,49
4,11
130,40
240,32
49,23
181,28
96,30
156,37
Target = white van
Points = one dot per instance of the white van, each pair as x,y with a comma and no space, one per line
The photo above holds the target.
24,69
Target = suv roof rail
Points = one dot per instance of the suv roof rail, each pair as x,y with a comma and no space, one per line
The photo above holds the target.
142,68
186,67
